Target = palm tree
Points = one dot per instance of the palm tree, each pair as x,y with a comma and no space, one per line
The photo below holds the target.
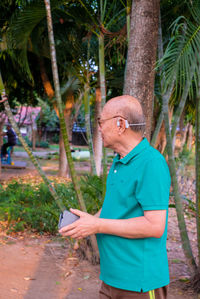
102,17
181,64
62,121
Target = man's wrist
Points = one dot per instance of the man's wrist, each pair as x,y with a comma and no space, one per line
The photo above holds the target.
98,225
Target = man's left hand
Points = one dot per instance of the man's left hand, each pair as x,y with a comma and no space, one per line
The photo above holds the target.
85,226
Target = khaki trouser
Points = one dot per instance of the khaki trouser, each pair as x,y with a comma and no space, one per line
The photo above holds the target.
108,292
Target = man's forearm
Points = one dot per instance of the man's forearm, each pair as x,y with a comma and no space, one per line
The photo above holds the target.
139,227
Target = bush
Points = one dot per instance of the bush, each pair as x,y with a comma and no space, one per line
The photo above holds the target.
43,144
32,207
55,138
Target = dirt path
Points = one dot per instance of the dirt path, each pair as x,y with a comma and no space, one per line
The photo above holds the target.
40,268
44,268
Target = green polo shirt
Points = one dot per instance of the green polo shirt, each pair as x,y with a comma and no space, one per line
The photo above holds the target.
139,182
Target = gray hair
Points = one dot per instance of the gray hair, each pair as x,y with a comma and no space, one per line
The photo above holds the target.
134,117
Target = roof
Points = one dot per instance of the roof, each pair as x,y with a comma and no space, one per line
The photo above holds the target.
26,115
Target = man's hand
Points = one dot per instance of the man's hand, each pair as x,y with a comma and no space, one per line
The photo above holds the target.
85,226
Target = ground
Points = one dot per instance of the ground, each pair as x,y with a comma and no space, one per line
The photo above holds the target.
41,267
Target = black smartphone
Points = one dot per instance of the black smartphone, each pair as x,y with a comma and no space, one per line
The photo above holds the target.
66,218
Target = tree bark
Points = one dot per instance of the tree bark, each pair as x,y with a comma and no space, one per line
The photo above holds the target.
197,164
189,137
103,100
97,140
139,77
179,209
45,79
183,136
63,165
88,128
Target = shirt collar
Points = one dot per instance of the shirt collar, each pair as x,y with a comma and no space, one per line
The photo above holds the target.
134,152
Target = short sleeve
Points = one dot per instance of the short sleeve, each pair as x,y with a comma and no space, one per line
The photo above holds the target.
153,188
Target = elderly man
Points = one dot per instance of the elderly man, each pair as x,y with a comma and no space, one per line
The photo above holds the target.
131,227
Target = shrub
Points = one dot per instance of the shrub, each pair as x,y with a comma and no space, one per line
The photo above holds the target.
32,207
43,144
55,138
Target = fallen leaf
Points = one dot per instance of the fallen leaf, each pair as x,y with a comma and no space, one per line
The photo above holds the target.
86,277
29,278
67,274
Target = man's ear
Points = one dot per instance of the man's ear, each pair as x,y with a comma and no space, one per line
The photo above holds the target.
121,124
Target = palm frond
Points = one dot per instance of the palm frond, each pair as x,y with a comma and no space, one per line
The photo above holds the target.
180,60
22,25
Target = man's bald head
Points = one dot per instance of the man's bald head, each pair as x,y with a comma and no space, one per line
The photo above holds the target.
129,108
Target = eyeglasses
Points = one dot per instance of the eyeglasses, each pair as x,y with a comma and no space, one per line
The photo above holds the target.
101,121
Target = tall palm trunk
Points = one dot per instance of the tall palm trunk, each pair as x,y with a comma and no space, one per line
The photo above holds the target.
189,137
27,149
179,209
172,167
139,77
97,140
197,145
128,18
63,165
88,127
87,114
59,105
157,128
103,100
62,121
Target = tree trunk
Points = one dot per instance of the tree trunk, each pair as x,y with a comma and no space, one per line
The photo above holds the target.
97,140
88,128
103,100
34,134
189,137
45,80
197,164
179,209
63,165
139,77
128,18
157,129
64,170
62,121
